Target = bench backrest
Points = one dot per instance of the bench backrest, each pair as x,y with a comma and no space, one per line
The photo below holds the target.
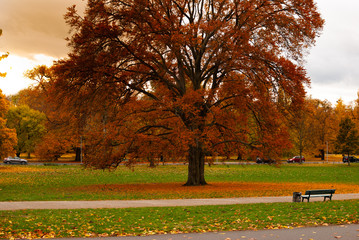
321,191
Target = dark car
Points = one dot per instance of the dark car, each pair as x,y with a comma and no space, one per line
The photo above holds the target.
15,160
351,159
268,161
296,159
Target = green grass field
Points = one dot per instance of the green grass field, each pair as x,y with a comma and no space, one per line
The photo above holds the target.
75,183
19,183
146,221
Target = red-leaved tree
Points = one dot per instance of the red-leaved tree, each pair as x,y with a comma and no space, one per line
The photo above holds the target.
185,78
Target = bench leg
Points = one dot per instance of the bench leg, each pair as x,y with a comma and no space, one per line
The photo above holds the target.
330,198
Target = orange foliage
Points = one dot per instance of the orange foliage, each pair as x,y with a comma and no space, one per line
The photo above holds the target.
8,139
62,125
51,147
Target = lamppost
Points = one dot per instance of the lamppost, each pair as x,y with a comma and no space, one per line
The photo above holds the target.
327,152
81,150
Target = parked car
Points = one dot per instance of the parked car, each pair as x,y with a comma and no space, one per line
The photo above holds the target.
268,161
15,160
351,159
296,159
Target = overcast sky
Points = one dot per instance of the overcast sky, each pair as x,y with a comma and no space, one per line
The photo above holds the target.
34,33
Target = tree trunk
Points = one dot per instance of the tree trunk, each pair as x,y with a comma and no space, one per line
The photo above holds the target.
300,156
321,154
78,154
196,166
152,162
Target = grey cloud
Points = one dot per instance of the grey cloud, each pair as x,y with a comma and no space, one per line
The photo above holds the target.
335,58
34,26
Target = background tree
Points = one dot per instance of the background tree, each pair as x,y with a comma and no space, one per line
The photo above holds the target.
299,122
355,112
348,139
342,111
7,136
207,73
29,125
35,96
51,148
61,135
324,126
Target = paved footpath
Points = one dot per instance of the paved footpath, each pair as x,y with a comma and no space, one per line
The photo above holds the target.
342,232
154,203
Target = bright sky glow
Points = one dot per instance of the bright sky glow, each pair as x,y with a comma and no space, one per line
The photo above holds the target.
15,67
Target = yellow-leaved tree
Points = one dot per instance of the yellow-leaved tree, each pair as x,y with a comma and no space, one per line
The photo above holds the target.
7,136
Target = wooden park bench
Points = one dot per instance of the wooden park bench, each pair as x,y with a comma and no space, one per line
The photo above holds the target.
326,193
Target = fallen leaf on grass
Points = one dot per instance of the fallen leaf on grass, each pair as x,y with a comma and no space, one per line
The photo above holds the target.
217,189
22,169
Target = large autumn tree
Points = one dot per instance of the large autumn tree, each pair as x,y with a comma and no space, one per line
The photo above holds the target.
186,76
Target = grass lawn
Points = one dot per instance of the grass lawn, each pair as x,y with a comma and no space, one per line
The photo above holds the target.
145,221
19,183
75,183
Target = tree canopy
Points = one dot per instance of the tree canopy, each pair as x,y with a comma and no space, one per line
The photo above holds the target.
29,125
185,78
347,139
8,138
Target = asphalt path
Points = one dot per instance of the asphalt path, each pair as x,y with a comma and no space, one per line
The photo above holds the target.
155,203
342,232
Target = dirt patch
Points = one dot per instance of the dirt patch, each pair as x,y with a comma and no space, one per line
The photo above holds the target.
223,189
